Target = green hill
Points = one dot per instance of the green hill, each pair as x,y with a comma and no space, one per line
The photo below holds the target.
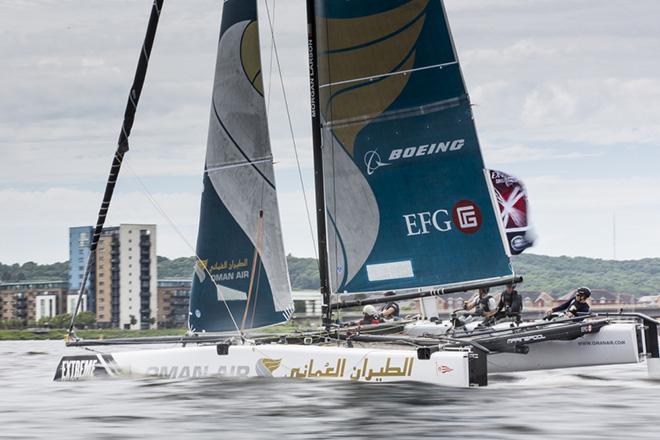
558,275
555,275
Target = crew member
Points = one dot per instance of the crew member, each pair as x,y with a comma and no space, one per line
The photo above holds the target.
369,315
510,305
576,305
483,304
390,310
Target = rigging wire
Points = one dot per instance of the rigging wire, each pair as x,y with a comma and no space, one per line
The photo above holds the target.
270,62
293,139
198,260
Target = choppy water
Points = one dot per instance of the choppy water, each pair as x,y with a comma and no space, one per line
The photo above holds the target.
603,403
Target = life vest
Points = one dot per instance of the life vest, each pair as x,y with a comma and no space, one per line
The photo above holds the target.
483,304
512,302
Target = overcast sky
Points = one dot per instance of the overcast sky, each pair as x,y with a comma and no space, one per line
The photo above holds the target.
566,94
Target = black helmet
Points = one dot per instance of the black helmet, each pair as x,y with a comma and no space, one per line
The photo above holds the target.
584,291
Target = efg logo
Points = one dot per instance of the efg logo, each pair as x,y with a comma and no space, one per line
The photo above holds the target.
465,215
373,161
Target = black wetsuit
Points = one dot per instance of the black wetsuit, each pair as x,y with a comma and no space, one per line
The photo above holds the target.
510,305
396,310
574,306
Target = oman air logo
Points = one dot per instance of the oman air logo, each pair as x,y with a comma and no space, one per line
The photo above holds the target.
444,369
372,161
466,216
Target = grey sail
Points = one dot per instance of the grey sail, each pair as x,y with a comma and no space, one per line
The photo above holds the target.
242,279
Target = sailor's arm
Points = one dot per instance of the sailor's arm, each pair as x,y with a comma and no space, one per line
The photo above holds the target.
561,307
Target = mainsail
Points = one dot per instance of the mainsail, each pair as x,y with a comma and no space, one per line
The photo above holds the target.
242,274
408,202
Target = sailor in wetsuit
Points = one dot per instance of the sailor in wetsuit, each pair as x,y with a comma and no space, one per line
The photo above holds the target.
510,305
390,310
576,306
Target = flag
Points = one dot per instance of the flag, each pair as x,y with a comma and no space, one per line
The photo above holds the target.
511,198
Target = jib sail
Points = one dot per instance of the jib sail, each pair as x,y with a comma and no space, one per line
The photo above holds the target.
243,266
408,203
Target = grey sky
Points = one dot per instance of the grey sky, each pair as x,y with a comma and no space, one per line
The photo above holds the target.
566,94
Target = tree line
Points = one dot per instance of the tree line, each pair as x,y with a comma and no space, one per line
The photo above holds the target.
555,275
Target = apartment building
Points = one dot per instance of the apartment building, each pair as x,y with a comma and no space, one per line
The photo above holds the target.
173,299
31,301
124,275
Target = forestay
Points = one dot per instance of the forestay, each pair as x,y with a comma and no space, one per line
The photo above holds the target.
407,198
239,241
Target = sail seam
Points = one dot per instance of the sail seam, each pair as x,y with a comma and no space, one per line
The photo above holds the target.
217,116
238,164
385,116
382,75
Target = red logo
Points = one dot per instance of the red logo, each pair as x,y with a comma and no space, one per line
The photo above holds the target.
466,216
445,369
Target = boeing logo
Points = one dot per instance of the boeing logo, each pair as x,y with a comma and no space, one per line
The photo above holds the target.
373,161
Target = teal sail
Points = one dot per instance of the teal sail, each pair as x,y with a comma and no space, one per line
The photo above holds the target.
241,279
408,202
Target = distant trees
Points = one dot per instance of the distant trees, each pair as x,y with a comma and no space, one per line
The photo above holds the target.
303,272
83,320
555,275
31,271
558,275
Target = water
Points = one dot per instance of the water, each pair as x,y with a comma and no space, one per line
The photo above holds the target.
598,403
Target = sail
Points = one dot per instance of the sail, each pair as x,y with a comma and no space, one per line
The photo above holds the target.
408,202
242,277
512,200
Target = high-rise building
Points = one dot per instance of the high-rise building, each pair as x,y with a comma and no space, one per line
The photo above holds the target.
79,238
125,277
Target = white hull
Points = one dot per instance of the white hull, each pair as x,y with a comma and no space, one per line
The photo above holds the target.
446,368
615,343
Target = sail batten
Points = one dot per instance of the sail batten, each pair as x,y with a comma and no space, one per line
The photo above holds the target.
384,75
243,269
406,198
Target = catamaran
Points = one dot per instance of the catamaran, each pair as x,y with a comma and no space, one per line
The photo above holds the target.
403,202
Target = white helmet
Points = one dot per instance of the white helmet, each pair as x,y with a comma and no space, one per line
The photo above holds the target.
369,310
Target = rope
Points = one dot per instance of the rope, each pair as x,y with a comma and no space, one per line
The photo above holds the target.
180,234
254,267
293,138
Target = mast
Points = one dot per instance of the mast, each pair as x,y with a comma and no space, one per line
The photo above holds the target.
122,144
318,164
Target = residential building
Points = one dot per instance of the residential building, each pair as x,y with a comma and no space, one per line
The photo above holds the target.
173,300
124,275
31,301
79,239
